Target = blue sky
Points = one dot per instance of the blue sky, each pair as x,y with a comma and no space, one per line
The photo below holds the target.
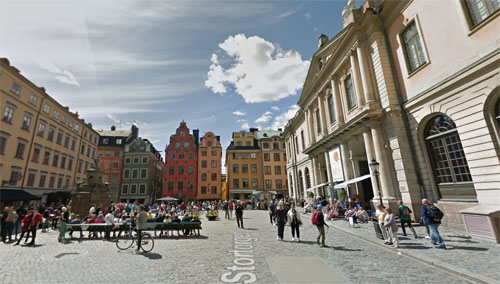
219,65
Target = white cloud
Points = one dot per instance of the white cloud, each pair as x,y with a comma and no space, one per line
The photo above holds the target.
265,117
245,125
260,72
114,118
63,75
308,16
239,113
281,120
275,108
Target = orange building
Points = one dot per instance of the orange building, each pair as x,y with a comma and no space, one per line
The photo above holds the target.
209,168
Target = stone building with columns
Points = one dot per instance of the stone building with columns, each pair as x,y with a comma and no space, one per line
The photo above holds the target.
386,88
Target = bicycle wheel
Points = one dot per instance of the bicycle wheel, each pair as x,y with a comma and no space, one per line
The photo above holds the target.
147,242
124,242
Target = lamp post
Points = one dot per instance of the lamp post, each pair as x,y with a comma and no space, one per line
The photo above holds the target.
374,166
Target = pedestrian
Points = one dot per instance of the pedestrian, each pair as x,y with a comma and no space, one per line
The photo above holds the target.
10,222
109,219
25,225
391,227
432,217
238,210
295,221
272,212
380,215
318,220
231,207
36,218
141,224
280,219
63,224
226,210
405,218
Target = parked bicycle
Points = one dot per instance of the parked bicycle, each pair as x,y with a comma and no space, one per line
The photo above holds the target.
129,239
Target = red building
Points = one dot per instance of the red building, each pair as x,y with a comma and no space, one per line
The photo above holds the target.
181,164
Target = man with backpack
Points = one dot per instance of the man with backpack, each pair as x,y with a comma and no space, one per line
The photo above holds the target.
318,220
432,217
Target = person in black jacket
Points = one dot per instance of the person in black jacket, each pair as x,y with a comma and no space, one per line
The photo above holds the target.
321,227
239,214
280,213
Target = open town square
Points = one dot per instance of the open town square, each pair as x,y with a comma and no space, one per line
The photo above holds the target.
250,141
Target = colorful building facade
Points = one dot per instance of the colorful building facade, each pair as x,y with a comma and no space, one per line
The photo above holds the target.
209,168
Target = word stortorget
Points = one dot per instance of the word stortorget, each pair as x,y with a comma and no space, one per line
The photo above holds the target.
250,141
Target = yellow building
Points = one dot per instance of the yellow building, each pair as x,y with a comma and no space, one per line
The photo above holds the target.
243,165
45,148
273,157
209,168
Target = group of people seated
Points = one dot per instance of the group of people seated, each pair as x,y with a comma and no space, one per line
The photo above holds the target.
358,213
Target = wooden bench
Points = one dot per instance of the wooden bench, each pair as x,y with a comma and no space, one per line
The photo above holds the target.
192,227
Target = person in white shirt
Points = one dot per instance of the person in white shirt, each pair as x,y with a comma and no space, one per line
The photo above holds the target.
92,210
109,219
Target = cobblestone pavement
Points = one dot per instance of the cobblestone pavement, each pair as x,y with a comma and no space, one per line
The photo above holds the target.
463,252
206,258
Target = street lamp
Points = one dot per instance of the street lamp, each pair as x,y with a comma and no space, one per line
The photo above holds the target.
374,166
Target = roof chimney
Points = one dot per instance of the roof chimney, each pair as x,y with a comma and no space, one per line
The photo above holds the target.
113,128
135,132
253,130
322,40
196,135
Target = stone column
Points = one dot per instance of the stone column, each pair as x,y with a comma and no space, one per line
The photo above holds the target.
370,154
314,175
382,157
322,114
358,87
336,100
364,66
308,130
328,172
346,160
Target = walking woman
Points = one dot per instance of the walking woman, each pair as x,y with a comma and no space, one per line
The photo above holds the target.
280,216
295,221
391,227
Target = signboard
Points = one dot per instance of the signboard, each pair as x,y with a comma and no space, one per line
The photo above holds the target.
336,164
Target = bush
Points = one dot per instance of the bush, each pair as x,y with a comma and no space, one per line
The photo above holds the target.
310,194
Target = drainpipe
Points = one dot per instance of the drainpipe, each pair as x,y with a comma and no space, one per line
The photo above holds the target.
404,112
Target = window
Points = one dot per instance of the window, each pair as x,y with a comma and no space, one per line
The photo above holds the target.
203,190
171,170
105,141
235,156
43,178
16,88
214,153
60,137
253,156
349,90
180,185
70,163
244,155
186,144
276,157
136,160
190,170
267,170
413,47
302,138
318,121
31,178
267,157
77,127
209,144
244,168
269,184
66,140
238,144
265,145
235,168
177,144
142,189
8,113
181,156
125,189
117,153
203,164
88,150
115,165
15,176
203,176
214,177
446,151
60,181
133,189
41,128
55,159
170,185
135,173
276,146
55,115
128,160
203,153
214,190
52,131
183,133
255,183
63,120
118,141
33,99
3,142
277,170
214,164
26,121
181,170
190,185
480,10
279,183
46,108
248,144
73,144
144,173
63,161
236,183
46,157
21,146
190,156
254,168
80,163
144,160
70,124
244,183
52,180
171,156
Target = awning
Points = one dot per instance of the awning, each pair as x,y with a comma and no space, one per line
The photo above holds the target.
351,181
272,192
9,194
256,192
314,187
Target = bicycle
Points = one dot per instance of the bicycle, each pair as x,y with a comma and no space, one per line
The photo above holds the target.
129,239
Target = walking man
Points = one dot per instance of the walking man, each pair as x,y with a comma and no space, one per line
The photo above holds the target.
281,214
239,214
432,217
318,219
226,210
405,218
35,221
141,224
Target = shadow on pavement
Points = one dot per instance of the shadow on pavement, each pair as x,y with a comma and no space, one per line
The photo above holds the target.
251,229
152,255
32,246
467,248
343,248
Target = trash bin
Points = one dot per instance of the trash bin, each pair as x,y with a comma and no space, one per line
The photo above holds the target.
378,232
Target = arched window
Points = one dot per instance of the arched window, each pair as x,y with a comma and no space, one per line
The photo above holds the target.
447,157
308,178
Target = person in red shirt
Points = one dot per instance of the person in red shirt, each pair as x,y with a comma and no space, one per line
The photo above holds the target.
25,225
35,221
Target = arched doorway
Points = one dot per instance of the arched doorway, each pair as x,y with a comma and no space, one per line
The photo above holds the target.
449,164
308,178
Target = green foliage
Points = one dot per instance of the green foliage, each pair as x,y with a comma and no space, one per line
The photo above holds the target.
310,194
342,194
